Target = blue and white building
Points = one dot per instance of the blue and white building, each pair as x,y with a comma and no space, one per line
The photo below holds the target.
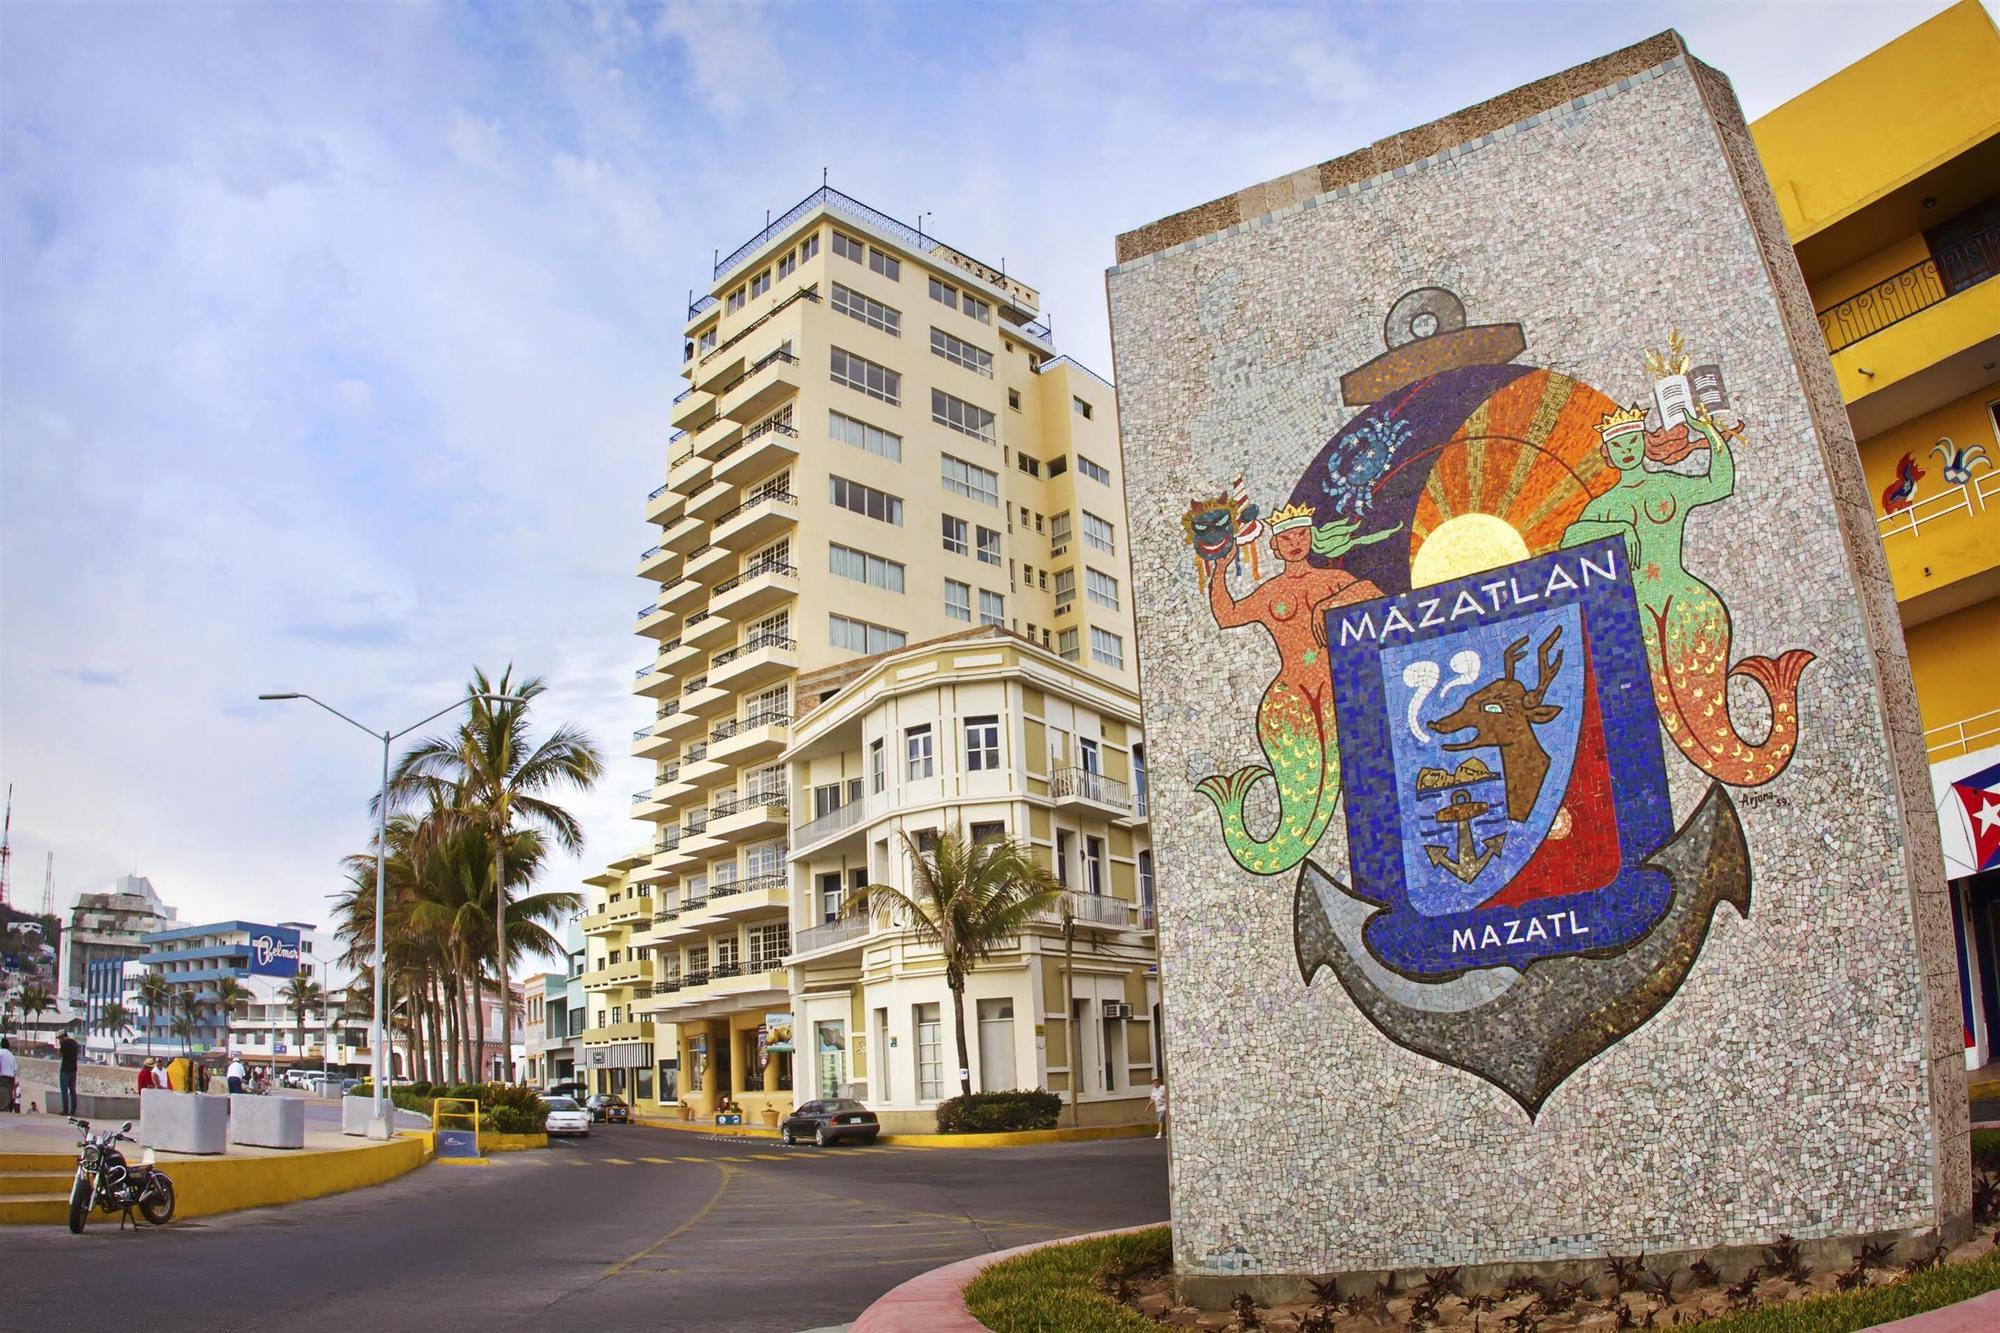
264,959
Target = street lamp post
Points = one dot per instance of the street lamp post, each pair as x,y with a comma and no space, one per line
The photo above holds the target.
380,1123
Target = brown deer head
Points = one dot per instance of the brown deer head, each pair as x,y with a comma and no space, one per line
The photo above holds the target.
1503,714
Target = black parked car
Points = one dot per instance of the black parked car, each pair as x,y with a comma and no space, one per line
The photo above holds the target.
829,1122
609,1108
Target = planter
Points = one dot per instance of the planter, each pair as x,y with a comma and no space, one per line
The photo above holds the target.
355,1113
267,1122
186,1122
687,1112
771,1117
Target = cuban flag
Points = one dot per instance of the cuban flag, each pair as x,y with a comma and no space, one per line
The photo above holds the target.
1979,796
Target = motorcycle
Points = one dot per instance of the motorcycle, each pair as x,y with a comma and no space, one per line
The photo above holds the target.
106,1182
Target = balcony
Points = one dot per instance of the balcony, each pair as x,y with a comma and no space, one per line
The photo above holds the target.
687,470
716,437
687,533
1096,909
663,506
704,698
675,654
766,447
1079,787
619,974
691,410
594,922
761,518
751,817
641,1030
770,380
759,736
654,621
706,563
631,908
652,682
699,769
716,497
756,662
1917,288
680,724
827,827
647,806
678,594
656,562
1963,737
704,628
648,743
755,590
749,897
831,938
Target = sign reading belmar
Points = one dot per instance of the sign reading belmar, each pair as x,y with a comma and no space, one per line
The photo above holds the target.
274,951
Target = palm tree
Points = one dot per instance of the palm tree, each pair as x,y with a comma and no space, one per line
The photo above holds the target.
157,994
967,899
303,995
35,1000
490,775
188,1009
116,1019
231,997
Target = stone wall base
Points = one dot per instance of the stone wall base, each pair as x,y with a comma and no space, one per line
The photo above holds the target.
1214,1291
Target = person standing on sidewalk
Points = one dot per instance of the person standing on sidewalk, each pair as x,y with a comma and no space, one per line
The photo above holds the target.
235,1072
9,1071
1158,1096
66,1077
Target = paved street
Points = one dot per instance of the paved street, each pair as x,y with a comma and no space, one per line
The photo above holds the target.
635,1228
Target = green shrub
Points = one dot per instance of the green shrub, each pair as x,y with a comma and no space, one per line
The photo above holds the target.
504,1108
1986,1151
999,1112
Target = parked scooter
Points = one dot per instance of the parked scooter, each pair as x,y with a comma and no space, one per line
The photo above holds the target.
105,1181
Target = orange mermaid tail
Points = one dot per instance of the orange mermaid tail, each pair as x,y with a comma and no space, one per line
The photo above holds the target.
1687,640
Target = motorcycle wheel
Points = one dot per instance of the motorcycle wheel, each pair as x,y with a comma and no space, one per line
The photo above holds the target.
79,1206
158,1205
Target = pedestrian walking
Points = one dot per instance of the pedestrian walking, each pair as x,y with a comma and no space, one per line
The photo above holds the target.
235,1073
9,1071
149,1076
1158,1096
66,1076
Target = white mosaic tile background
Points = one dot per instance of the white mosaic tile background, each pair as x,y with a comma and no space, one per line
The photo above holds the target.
1789,1085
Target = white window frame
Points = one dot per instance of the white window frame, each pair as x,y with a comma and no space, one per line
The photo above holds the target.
919,753
992,608
982,743
1112,655
955,413
860,498
969,480
961,353
860,306
861,435
864,376
1099,534
957,535
1100,587
957,600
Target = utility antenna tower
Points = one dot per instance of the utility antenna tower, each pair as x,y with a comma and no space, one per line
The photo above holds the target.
6,844
49,886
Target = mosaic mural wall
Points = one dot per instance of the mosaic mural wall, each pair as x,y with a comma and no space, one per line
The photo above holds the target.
1533,750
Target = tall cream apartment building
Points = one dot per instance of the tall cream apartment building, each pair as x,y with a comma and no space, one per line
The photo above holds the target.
893,595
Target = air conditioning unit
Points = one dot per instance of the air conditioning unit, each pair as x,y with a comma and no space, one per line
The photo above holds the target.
1055,551
1117,1009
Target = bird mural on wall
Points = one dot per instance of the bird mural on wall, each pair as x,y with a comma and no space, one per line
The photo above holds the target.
1896,496
1959,462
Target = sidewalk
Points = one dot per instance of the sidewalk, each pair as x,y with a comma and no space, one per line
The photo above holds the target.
38,1162
1015,1139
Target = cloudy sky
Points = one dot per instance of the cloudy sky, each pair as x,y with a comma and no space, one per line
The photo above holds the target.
336,341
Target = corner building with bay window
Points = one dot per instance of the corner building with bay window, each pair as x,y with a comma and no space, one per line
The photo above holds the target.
886,497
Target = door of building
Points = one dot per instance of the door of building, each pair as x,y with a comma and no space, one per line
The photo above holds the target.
996,1045
930,1054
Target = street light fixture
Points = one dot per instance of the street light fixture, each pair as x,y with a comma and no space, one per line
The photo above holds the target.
380,1122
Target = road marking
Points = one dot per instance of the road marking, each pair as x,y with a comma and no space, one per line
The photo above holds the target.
577,1163
697,1159
771,1157
615,1161
668,1239
656,1161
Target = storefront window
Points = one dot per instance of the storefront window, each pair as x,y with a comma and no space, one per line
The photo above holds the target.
697,1062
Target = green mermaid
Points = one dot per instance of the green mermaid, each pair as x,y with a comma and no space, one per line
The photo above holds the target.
1295,719
1685,624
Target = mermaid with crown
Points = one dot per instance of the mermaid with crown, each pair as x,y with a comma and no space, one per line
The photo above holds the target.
1685,624
1295,718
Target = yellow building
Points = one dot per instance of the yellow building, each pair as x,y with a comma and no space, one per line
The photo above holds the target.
618,1053
1888,179
990,735
878,445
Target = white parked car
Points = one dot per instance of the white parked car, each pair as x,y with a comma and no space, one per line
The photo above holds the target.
566,1117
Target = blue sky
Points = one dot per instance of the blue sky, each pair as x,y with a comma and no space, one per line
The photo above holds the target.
336,341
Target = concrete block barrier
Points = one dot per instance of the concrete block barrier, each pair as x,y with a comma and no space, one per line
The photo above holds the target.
187,1122
267,1122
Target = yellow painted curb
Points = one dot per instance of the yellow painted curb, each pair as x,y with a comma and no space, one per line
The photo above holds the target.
204,1187
512,1142
463,1161
689,1127
1020,1138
